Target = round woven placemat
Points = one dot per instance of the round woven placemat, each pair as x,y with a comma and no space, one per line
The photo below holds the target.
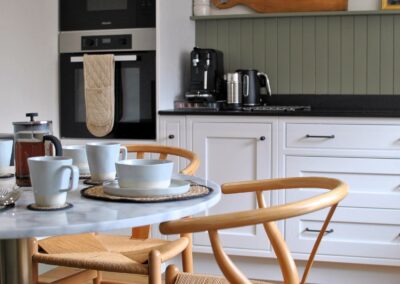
35,207
92,182
195,191
6,176
84,176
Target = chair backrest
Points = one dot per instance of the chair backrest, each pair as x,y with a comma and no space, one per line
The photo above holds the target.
266,216
164,152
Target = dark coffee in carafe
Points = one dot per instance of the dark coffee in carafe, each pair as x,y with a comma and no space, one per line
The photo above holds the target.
32,139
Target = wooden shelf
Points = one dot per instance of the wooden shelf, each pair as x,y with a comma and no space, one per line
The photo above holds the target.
302,14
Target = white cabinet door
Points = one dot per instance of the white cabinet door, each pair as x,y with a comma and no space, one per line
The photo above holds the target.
230,152
172,132
367,222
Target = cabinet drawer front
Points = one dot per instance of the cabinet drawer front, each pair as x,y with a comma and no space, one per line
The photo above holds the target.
356,232
373,183
333,136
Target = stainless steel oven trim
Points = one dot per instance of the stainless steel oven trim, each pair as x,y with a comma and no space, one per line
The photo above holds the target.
77,59
143,39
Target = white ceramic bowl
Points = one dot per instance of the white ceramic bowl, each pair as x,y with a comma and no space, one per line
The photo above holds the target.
143,174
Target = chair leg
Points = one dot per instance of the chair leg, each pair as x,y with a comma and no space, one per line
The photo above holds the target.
155,267
35,266
171,273
98,279
187,255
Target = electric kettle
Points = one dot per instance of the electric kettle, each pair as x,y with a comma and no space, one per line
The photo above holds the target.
32,138
252,83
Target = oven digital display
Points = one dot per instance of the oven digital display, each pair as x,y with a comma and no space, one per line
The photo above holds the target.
106,5
106,40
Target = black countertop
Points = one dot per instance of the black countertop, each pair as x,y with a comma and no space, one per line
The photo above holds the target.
321,105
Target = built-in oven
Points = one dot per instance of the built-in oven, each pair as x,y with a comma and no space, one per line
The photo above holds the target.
135,81
106,14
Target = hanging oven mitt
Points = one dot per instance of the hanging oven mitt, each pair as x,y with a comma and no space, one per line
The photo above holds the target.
99,93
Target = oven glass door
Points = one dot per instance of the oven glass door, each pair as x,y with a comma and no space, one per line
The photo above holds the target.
135,116
106,14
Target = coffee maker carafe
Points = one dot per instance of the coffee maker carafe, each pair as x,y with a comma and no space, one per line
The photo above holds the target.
32,138
206,75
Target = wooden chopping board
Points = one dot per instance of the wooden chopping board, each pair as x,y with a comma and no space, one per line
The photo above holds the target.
274,6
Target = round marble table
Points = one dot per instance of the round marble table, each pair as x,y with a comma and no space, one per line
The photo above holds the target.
19,224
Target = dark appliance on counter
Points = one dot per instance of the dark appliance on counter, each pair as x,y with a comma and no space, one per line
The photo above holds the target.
254,83
206,75
81,15
134,50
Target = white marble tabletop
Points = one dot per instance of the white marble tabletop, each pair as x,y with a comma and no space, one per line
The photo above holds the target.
89,215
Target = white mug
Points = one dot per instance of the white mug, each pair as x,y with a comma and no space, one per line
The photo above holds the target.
50,178
5,156
78,155
102,157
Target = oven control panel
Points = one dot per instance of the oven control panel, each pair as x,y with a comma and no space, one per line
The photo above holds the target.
106,42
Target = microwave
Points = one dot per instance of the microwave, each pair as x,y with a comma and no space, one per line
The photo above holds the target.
78,15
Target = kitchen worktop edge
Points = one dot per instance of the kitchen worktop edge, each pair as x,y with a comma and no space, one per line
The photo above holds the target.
321,105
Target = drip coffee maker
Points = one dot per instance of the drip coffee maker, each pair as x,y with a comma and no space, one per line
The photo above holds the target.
32,138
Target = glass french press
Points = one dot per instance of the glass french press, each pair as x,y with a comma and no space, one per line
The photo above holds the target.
32,138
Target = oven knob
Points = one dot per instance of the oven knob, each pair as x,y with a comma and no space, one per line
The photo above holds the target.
123,41
89,42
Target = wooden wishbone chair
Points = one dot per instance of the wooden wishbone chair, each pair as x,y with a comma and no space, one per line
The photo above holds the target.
262,215
111,251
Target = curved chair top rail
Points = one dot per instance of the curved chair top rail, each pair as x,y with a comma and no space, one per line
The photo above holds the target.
337,191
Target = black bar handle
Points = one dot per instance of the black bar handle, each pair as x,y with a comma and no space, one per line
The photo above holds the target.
56,143
320,136
317,231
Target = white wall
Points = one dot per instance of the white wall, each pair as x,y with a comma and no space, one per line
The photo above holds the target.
28,61
175,40
354,5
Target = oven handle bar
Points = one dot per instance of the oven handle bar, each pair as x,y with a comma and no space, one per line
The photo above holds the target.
77,59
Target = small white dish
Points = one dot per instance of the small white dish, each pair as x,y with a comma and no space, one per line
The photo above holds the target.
176,187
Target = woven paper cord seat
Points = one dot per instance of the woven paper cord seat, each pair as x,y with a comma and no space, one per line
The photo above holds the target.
127,254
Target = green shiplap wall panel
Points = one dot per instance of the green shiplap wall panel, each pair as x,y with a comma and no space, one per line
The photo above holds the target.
271,52
246,44
387,53
259,48
223,41
201,34
284,56
347,55
334,55
296,55
212,34
373,54
234,45
360,55
396,55
308,66
321,54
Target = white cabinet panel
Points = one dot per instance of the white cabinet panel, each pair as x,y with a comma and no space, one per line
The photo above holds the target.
355,232
343,136
234,152
373,183
172,132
